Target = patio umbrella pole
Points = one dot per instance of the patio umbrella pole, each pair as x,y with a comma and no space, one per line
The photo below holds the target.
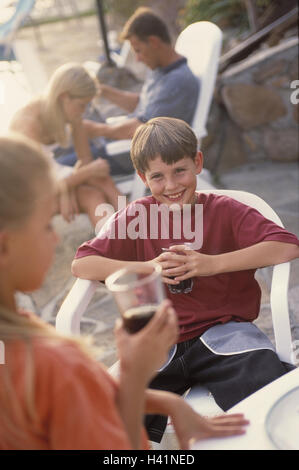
101,18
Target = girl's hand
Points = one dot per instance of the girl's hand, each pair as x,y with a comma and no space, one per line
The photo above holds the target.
143,353
190,426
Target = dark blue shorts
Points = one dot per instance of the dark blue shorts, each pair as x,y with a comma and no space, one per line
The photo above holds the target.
120,164
229,378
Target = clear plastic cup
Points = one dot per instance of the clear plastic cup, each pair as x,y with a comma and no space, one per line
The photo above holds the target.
184,287
138,292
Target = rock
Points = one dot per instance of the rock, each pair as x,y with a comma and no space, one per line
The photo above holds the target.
281,82
281,145
232,152
296,112
251,106
269,70
293,70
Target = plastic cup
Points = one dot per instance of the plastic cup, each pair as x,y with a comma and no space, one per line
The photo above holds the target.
184,287
138,292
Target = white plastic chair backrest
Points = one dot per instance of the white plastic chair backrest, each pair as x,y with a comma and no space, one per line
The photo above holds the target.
69,316
23,9
280,277
201,44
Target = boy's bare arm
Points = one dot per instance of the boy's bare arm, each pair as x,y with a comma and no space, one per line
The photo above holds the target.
262,254
97,268
192,263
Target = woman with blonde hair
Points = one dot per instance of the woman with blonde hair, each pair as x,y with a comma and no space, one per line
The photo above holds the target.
53,393
52,120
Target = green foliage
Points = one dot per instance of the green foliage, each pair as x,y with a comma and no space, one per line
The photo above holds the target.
231,12
223,12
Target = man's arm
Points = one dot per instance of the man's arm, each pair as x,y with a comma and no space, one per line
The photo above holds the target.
124,99
124,130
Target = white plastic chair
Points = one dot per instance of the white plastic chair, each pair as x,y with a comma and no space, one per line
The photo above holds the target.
199,397
9,29
201,44
71,311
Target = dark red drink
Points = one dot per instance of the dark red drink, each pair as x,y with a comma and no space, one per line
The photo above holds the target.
184,287
136,318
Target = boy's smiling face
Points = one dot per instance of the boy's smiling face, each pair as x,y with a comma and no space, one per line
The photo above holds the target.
173,183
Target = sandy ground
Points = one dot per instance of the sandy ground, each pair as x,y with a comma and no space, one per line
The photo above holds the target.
67,41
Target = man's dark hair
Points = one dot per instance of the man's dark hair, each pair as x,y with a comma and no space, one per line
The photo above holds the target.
144,23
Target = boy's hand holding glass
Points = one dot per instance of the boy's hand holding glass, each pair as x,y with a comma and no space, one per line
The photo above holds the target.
188,265
184,286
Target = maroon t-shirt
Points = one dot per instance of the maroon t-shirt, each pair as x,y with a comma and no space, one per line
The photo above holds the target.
138,234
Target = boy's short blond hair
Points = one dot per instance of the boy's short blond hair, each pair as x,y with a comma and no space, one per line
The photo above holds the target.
170,138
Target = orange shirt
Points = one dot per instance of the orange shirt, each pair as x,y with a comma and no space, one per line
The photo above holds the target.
74,399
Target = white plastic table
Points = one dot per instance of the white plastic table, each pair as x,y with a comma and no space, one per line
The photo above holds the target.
255,408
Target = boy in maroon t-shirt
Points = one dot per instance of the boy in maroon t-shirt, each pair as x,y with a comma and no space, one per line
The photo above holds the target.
218,345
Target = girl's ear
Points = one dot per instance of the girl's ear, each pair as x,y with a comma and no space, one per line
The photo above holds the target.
142,176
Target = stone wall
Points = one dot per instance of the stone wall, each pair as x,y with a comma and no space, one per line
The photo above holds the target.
252,116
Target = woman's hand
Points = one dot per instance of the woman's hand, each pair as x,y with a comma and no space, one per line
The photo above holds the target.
68,206
143,353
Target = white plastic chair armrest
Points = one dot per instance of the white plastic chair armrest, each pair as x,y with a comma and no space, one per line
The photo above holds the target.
114,370
70,313
280,312
116,119
118,146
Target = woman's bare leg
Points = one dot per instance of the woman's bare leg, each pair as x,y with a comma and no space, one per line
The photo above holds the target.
89,199
109,189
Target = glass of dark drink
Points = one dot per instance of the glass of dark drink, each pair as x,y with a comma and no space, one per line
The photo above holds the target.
138,291
184,287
